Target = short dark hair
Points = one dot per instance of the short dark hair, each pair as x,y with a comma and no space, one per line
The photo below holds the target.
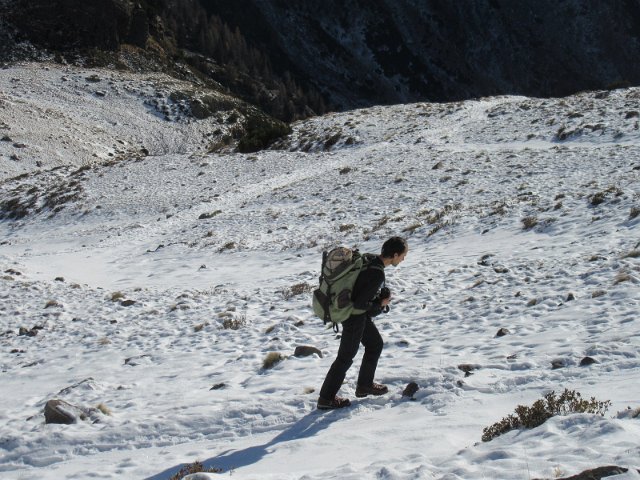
394,245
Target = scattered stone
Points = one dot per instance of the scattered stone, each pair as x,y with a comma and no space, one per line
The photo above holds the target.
571,297
93,78
502,332
59,279
402,343
6,138
61,412
88,383
467,368
25,332
598,473
16,350
560,363
20,145
101,93
218,386
127,303
134,361
501,269
11,271
306,351
484,261
410,390
586,361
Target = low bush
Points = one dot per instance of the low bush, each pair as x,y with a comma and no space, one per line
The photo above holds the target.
272,359
261,131
529,222
195,467
550,405
297,289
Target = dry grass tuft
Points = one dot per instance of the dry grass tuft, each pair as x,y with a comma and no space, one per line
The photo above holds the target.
272,359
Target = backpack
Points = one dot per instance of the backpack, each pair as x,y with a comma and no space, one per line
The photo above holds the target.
340,269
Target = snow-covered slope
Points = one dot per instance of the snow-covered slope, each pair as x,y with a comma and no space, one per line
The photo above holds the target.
155,286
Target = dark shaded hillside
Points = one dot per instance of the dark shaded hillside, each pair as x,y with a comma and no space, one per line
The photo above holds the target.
360,52
294,58
155,35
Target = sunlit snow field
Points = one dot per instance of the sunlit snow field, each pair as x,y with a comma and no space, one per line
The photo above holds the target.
520,214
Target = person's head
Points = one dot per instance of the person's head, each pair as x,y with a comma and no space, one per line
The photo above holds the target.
394,250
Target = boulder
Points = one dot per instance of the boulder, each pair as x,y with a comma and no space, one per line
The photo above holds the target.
59,411
410,390
306,351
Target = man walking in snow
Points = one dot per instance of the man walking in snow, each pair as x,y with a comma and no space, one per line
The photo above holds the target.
361,329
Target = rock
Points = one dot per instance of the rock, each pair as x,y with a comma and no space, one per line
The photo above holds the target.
559,363
306,351
410,390
597,473
586,361
25,332
127,303
571,297
137,360
502,332
468,368
218,386
59,411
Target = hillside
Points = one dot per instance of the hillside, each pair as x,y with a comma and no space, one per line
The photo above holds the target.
148,290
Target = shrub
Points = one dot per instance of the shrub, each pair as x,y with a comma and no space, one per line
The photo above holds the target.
272,359
297,289
598,198
622,277
261,131
529,222
550,405
104,409
195,467
346,227
234,323
116,296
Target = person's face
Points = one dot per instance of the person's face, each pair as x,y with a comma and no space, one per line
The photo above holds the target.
399,257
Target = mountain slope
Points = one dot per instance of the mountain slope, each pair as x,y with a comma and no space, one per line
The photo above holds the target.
156,287
359,53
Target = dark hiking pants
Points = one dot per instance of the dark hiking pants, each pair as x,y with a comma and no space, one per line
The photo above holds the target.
357,329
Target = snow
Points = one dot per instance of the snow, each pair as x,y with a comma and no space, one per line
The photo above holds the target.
180,370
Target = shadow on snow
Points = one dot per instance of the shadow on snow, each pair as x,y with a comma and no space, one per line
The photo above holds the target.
306,427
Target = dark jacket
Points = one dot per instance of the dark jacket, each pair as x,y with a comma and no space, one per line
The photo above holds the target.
367,287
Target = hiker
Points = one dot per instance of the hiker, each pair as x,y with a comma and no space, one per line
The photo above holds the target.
359,328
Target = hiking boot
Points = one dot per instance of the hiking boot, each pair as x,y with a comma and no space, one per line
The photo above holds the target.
373,389
337,402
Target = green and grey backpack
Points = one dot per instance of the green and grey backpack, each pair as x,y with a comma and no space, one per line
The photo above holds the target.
340,269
